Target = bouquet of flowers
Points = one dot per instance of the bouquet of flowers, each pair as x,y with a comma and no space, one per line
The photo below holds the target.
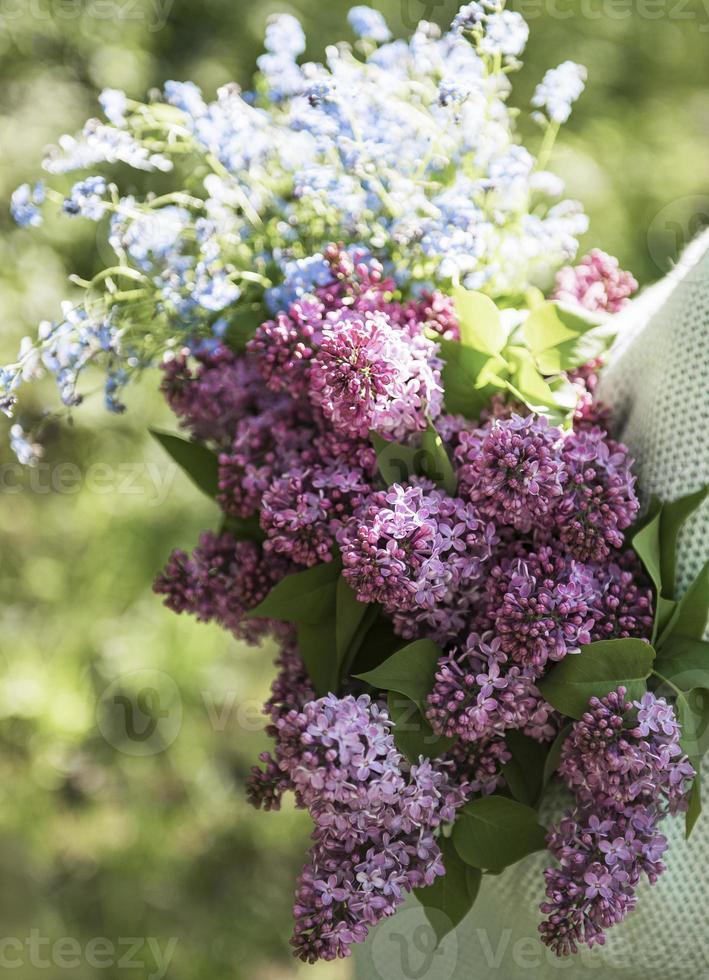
357,282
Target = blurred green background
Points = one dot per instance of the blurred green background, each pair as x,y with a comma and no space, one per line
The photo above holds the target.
96,842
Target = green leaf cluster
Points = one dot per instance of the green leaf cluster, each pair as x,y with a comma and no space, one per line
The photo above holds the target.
682,664
528,363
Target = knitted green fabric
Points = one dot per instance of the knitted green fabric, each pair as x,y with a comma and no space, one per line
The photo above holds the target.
657,383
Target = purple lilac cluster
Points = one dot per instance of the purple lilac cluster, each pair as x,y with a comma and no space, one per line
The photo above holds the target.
535,606
222,580
413,547
374,816
624,763
524,473
597,283
519,566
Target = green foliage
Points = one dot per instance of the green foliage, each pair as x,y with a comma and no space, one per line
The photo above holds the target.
524,773
331,623
551,763
526,364
597,670
480,325
682,657
302,597
449,899
412,734
397,463
494,832
655,542
561,339
198,462
410,671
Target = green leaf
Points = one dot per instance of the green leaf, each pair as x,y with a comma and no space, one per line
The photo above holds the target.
353,620
438,461
242,327
448,900
551,763
480,324
303,597
545,329
692,612
695,805
674,516
397,463
463,376
378,644
198,462
317,646
412,734
665,610
646,542
684,662
562,337
525,771
410,671
494,832
692,708
244,528
554,397
349,615
693,716
598,669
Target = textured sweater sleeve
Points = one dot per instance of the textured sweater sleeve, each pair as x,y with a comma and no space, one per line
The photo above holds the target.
657,384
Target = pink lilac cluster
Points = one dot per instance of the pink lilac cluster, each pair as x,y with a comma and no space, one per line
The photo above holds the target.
222,580
412,547
363,359
535,606
597,283
624,763
374,816
517,567
302,510
280,417
524,473
479,694
211,390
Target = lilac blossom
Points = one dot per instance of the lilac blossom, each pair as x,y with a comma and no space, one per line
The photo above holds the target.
599,500
409,547
512,470
625,765
369,374
624,753
374,819
211,390
479,695
302,511
222,580
540,605
602,856
597,283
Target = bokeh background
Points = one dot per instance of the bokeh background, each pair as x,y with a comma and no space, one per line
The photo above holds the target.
104,836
